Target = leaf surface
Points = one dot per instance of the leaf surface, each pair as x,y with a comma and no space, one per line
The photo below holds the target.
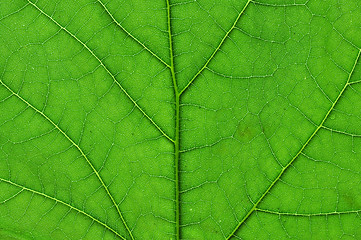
177,119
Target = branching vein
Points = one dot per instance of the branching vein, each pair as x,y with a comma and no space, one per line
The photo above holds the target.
107,70
131,35
23,188
77,147
300,151
217,48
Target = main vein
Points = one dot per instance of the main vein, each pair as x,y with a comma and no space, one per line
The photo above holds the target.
107,70
77,147
177,126
64,203
254,208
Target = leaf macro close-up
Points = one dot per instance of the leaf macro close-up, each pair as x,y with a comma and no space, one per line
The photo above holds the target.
180,119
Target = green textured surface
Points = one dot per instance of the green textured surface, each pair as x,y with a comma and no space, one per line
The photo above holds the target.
178,119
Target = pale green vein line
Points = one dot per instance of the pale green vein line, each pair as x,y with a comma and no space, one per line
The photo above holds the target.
106,69
217,49
64,203
355,82
171,50
308,214
279,5
177,127
341,132
12,13
130,35
12,197
77,147
299,152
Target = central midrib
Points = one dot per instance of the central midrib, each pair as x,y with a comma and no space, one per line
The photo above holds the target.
178,95
177,127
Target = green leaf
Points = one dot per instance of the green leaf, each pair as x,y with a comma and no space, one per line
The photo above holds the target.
180,119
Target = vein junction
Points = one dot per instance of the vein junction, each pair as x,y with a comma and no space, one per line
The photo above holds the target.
176,141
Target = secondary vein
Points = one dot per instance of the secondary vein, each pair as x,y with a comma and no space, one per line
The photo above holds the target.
131,35
107,70
78,148
308,214
62,202
217,48
254,208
